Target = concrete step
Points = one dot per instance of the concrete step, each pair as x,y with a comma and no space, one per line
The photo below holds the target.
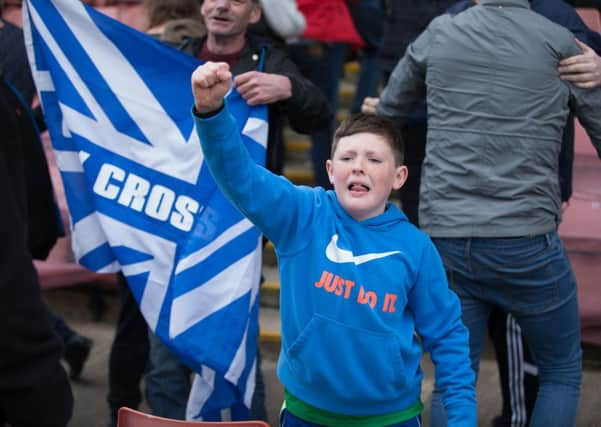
346,93
299,145
299,174
269,323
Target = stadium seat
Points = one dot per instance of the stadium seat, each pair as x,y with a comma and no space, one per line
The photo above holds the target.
131,418
591,17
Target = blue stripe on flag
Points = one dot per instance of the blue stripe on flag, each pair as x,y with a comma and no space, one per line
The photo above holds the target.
98,258
136,284
129,256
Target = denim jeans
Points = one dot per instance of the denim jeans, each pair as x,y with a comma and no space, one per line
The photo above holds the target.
289,420
532,279
168,381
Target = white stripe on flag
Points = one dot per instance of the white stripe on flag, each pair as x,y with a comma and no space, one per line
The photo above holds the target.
111,268
239,362
256,129
224,238
137,268
68,161
87,234
221,290
250,385
201,390
43,81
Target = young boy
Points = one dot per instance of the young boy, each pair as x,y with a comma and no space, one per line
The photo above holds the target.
358,280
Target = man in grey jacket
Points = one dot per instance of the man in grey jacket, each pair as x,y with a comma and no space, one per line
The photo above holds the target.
490,193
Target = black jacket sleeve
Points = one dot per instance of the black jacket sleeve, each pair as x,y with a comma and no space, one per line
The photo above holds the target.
307,110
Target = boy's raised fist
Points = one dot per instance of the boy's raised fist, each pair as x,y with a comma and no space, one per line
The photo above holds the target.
210,82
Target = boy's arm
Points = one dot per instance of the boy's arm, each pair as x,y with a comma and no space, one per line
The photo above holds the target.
271,202
438,322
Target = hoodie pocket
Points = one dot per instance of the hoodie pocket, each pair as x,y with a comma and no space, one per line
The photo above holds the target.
348,363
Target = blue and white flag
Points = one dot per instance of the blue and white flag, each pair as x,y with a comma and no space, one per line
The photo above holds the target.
141,200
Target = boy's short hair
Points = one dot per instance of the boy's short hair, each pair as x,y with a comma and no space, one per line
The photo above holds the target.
377,125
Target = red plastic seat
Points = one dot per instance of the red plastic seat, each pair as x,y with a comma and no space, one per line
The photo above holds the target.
131,418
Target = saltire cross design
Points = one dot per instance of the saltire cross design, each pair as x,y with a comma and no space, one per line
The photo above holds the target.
117,105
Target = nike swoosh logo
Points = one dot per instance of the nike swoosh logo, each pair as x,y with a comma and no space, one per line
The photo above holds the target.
342,256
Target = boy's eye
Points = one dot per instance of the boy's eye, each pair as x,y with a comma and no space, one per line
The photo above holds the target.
345,158
374,160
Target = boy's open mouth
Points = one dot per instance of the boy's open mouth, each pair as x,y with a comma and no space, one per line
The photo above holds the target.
358,187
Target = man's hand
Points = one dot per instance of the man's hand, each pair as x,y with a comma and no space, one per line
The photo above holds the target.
210,82
369,105
263,88
582,70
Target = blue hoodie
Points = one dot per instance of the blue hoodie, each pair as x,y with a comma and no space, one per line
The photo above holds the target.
353,293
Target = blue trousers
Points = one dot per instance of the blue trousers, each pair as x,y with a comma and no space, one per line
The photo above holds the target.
532,279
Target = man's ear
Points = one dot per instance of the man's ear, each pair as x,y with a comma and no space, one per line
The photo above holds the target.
400,177
255,14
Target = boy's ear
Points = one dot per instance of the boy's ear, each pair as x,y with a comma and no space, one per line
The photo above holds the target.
330,171
400,177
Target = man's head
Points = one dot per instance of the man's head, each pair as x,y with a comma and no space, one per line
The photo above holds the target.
229,18
12,12
366,164
129,12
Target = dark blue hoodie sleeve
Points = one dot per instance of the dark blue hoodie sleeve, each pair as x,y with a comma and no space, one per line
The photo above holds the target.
565,15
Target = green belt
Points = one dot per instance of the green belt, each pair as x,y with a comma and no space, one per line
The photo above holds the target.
315,415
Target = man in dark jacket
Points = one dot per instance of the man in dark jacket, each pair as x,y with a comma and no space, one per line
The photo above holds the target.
405,20
263,73
34,388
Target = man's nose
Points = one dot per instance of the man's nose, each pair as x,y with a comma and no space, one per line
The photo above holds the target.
222,3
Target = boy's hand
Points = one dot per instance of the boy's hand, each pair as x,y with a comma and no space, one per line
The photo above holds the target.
210,82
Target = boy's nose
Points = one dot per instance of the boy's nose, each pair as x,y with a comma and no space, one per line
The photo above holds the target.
357,166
